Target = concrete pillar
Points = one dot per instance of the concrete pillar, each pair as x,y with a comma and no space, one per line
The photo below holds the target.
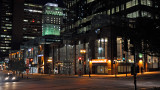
46,55
53,60
91,50
112,51
84,57
75,60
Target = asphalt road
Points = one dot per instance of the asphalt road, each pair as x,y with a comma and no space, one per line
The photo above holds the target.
148,81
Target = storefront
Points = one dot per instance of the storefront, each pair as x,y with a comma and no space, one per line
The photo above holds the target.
99,66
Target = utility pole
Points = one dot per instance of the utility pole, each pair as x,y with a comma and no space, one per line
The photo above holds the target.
126,63
115,69
135,74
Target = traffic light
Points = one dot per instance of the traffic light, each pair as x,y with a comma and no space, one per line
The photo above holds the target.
30,61
140,56
80,60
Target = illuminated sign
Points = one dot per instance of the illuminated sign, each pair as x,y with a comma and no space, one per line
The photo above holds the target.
99,60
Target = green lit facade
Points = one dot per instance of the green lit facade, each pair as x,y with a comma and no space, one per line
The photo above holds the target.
50,29
54,11
52,19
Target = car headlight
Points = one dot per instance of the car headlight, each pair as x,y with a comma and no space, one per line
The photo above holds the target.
13,78
6,78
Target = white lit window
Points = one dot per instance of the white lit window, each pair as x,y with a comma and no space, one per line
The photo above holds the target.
25,20
117,9
122,7
129,4
112,10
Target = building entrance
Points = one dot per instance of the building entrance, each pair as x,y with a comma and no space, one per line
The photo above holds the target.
100,69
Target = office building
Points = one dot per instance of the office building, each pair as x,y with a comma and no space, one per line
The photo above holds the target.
6,23
97,26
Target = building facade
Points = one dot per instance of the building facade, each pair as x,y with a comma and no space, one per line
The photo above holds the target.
32,21
96,38
52,19
99,25
6,22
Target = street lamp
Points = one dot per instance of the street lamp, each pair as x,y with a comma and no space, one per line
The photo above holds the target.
115,67
90,62
83,52
49,61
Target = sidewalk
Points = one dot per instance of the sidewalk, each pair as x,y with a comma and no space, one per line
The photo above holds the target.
123,75
50,77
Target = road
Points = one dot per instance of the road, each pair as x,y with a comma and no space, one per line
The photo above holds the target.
122,83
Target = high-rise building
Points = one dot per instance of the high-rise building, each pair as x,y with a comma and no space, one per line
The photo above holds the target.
32,21
52,19
96,26
21,20
6,22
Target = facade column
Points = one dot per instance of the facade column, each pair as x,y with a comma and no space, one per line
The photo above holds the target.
46,55
53,60
112,52
159,63
84,62
91,51
75,60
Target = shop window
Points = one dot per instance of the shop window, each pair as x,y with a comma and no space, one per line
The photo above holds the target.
100,69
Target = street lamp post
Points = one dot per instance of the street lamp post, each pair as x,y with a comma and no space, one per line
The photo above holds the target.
89,68
83,52
115,68
49,61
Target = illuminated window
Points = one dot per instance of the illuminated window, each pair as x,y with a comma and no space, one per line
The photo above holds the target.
25,20
24,28
149,3
112,10
89,1
117,9
9,27
108,12
143,2
8,24
7,18
129,4
133,15
8,13
122,7
146,14
7,41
